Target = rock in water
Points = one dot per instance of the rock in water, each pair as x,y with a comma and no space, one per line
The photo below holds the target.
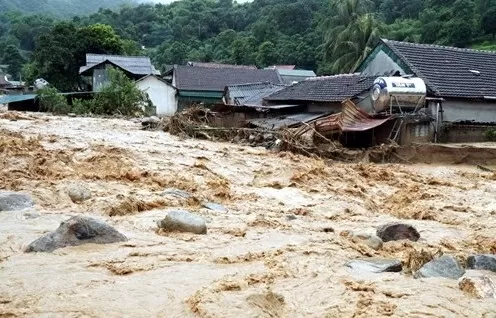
183,221
397,232
78,193
482,262
77,230
214,206
444,266
372,241
375,265
13,201
480,286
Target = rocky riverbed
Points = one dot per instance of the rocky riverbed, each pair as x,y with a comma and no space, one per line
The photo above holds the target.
145,224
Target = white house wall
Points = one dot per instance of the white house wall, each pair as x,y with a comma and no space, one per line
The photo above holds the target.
163,96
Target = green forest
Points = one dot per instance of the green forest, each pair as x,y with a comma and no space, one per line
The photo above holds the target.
328,36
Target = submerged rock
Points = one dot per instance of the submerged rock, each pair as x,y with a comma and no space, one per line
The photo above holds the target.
478,285
215,206
444,266
183,221
13,201
77,230
482,262
397,232
177,193
78,193
375,265
371,240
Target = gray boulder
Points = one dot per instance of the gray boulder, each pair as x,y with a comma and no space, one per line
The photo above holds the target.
482,262
183,221
444,266
397,232
14,201
77,230
375,265
78,193
372,241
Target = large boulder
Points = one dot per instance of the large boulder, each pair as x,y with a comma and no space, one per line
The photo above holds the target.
478,285
183,221
78,193
370,240
77,230
397,232
375,265
13,201
482,262
444,266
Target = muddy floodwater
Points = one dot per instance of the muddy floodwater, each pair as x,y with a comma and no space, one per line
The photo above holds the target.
278,251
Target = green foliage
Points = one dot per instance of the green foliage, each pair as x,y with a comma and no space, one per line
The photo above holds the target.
60,52
13,58
119,96
490,134
326,35
51,101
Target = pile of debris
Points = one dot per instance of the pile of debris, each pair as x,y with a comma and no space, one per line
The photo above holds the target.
196,122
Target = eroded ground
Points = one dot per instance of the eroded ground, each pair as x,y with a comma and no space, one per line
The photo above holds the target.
278,252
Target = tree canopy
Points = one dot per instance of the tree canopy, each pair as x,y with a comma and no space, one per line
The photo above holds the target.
329,36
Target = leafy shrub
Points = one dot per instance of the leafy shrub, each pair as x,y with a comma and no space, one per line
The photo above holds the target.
490,134
52,101
120,96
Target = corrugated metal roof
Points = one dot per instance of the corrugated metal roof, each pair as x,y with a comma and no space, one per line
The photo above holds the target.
350,119
139,65
6,99
298,73
251,94
285,121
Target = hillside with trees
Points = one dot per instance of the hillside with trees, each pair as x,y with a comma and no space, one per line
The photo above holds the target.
329,36
60,8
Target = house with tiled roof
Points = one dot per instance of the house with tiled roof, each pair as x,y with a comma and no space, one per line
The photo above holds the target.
200,84
323,93
461,83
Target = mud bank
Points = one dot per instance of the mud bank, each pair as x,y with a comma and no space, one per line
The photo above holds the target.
279,250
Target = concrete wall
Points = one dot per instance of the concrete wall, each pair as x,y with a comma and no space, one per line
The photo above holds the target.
163,96
464,133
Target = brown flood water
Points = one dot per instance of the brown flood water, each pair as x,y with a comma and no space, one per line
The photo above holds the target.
255,261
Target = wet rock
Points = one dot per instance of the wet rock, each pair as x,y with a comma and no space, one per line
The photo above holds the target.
375,265
268,137
215,206
371,240
482,262
183,221
444,266
148,121
397,232
76,231
14,201
291,217
478,285
251,138
177,193
78,193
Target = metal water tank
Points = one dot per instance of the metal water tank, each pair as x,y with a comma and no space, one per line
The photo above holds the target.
397,92
40,83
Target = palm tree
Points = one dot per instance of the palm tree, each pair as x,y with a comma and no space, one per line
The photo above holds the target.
353,31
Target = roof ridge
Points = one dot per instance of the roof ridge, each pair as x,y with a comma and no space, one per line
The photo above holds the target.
320,78
116,55
452,48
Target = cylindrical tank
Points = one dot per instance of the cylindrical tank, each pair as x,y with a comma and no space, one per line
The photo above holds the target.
404,92
40,83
